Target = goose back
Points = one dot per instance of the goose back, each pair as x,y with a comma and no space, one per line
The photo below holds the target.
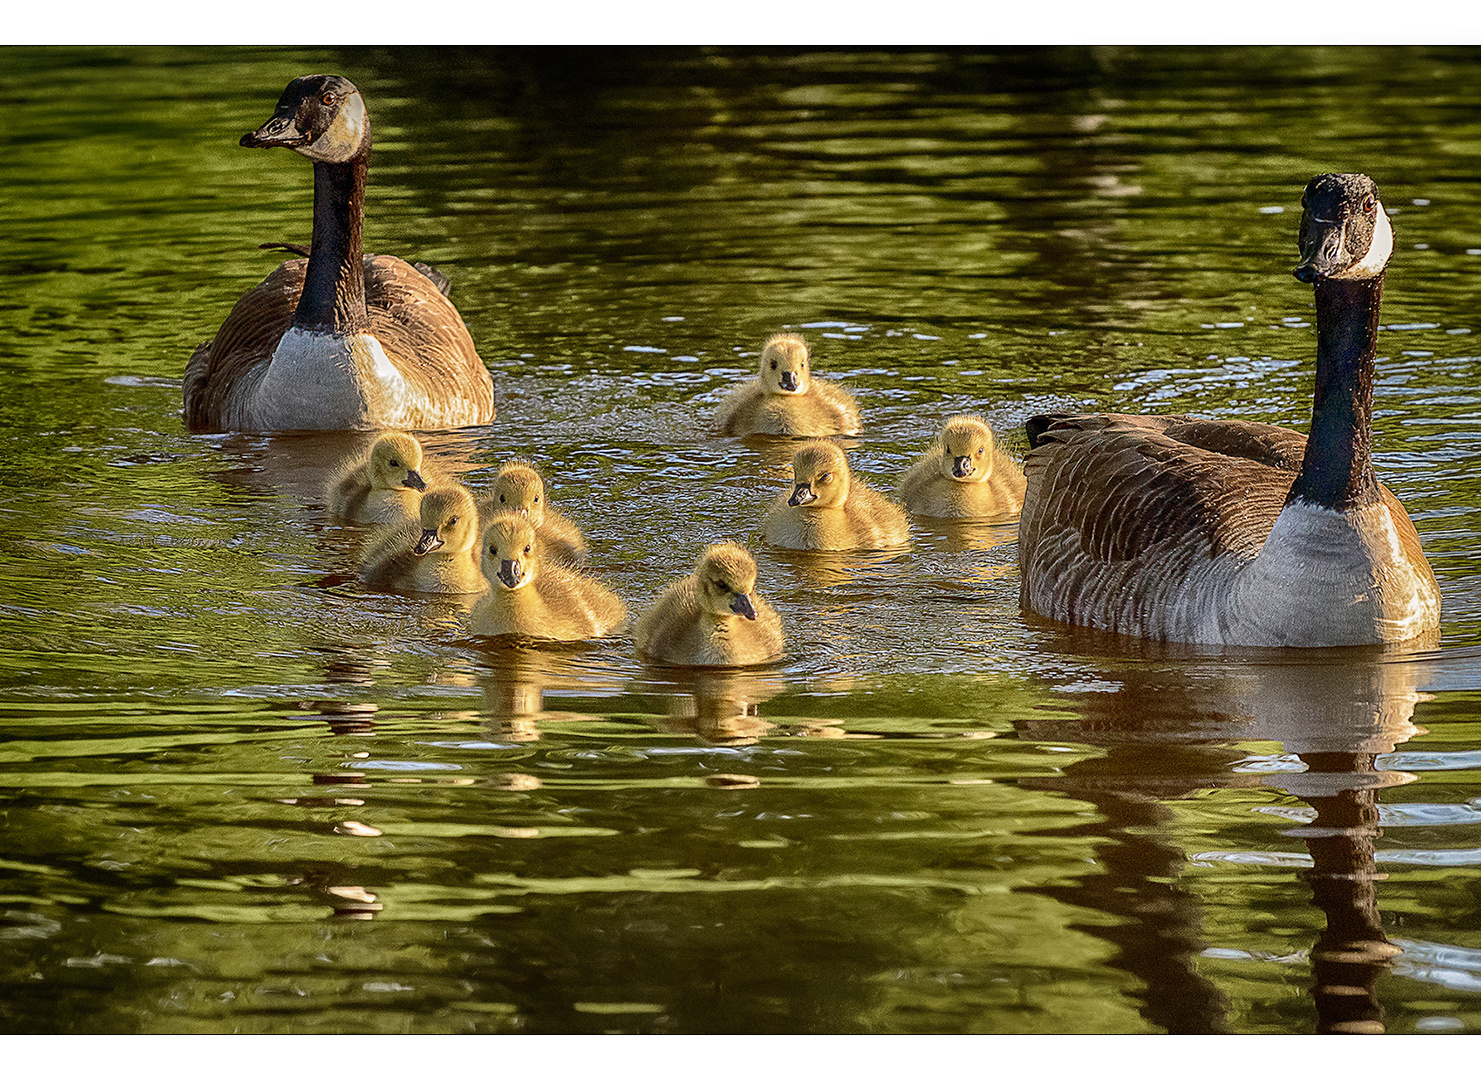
419,330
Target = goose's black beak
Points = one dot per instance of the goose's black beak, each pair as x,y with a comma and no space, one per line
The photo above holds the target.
414,480
741,605
430,541
802,496
1323,250
511,572
962,467
279,131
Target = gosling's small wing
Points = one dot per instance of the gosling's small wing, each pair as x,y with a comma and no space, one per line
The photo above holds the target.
1115,505
219,370
425,337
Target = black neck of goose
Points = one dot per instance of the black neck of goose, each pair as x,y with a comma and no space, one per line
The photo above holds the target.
1337,471
333,297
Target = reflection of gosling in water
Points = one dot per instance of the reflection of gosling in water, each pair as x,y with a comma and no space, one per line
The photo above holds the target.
519,487
535,598
712,618
827,511
383,487
437,554
964,475
786,400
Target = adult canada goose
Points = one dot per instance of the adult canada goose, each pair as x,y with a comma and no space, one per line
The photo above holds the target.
713,617
437,553
520,488
534,598
964,475
340,340
786,399
1230,532
383,487
827,510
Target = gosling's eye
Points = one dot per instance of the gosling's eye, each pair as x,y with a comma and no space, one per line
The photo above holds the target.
527,549
980,451
493,551
501,498
825,478
773,365
537,498
450,523
395,464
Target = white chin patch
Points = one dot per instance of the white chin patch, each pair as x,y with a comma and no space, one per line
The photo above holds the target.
342,141
1379,251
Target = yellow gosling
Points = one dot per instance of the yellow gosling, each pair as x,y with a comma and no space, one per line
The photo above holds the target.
534,598
713,617
827,511
964,475
436,554
382,488
786,399
520,488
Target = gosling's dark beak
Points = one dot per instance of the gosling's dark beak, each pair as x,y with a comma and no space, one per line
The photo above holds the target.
279,131
414,480
430,541
802,496
1323,250
962,467
789,380
511,572
741,605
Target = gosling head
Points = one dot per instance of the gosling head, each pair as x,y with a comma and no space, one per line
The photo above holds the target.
966,449
394,461
1345,233
784,365
820,476
449,521
519,488
508,554
322,117
726,574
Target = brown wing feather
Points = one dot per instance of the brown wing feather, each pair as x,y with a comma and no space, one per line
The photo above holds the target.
1127,483
417,325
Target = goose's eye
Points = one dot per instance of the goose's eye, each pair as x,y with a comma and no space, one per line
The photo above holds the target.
327,99
1368,204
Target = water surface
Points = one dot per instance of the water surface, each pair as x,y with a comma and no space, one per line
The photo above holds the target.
238,792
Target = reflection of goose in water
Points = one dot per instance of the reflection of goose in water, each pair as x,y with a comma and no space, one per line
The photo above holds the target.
515,678
719,706
1172,732
1238,533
